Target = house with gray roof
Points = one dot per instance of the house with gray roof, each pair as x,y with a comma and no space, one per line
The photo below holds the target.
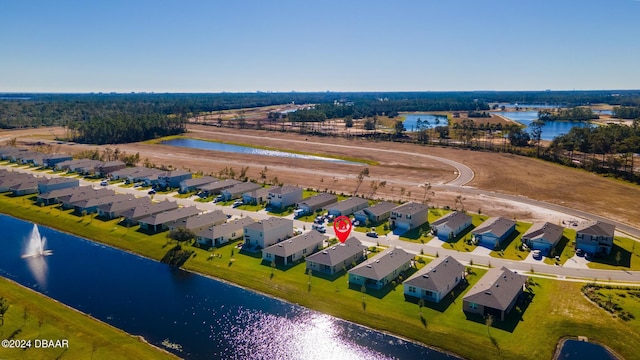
193,184
199,221
56,183
222,234
335,258
13,178
132,216
115,208
595,237
267,232
493,231
317,202
51,160
173,178
82,193
435,280
496,293
375,214
90,205
124,173
109,167
28,186
216,187
450,225
149,176
158,221
236,191
408,216
255,197
281,197
542,236
380,270
51,197
289,251
347,207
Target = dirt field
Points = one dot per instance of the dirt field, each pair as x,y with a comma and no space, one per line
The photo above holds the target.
504,173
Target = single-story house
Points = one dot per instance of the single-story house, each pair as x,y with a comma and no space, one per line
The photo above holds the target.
375,214
150,176
380,270
82,193
52,196
51,160
57,183
29,186
493,231
216,187
114,209
12,178
337,257
124,173
91,205
289,251
264,233
132,216
542,236
317,202
159,221
281,197
173,178
496,293
192,184
347,207
222,234
408,216
595,237
450,225
435,280
200,221
255,197
109,167
237,190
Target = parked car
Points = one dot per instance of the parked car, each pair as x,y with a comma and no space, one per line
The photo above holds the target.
372,234
319,228
237,203
151,192
218,198
104,183
537,254
579,252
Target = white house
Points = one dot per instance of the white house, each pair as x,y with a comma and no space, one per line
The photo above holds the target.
337,257
408,216
380,270
281,197
222,234
450,225
262,234
289,251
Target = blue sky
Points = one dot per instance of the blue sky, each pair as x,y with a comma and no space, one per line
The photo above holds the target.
224,45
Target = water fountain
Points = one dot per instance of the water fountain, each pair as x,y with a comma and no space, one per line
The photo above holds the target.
35,245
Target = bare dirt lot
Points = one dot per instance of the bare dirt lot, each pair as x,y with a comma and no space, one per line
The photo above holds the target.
503,173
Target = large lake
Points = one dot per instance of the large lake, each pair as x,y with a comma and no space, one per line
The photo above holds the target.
207,318
215,146
428,121
550,130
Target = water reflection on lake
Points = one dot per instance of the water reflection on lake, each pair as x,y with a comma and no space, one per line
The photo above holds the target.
550,130
192,316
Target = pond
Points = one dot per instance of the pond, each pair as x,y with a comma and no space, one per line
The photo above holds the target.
582,350
550,130
416,122
239,149
207,318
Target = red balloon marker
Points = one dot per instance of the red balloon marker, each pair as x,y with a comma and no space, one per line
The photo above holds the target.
342,226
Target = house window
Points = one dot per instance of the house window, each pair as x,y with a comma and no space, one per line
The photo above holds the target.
268,256
408,216
473,306
428,293
412,289
304,251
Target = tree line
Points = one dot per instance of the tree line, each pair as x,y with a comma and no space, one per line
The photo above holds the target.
578,113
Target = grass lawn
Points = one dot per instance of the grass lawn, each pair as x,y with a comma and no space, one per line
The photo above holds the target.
250,207
565,248
34,316
380,228
284,212
185,195
557,309
510,247
624,255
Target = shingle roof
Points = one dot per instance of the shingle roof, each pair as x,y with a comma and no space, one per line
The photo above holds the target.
322,198
262,192
242,188
269,223
198,181
348,204
201,220
170,215
383,264
286,189
380,208
544,230
453,220
337,254
410,208
147,209
596,228
219,185
497,226
296,244
217,231
496,289
437,275
125,204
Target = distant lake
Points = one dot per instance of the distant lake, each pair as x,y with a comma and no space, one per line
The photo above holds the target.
582,350
215,146
531,106
550,130
411,121
209,319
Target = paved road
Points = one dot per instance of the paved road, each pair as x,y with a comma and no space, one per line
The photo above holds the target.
481,259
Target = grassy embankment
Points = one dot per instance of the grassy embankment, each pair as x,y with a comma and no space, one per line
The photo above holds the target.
558,309
338,157
34,316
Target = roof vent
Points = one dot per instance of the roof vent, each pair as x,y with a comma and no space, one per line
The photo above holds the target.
488,292
425,276
333,248
325,252
369,266
497,285
377,261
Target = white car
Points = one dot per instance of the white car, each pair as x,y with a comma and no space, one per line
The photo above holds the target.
237,203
